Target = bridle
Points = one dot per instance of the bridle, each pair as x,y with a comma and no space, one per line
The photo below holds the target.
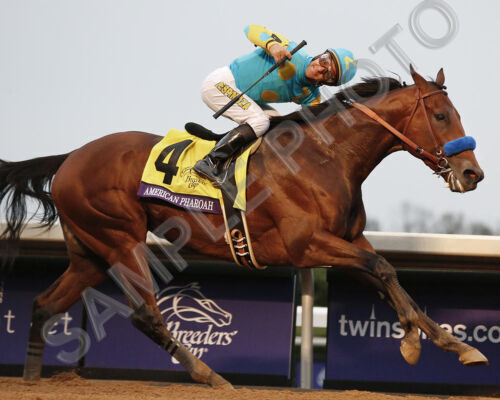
436,161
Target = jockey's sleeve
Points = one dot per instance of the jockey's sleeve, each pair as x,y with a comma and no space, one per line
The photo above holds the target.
261,36
309,97
314,101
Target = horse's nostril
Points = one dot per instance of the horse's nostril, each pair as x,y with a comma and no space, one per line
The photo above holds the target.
474,176
470,174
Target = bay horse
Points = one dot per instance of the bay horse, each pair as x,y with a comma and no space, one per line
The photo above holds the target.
313,217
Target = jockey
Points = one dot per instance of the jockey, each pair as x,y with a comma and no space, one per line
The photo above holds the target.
297,80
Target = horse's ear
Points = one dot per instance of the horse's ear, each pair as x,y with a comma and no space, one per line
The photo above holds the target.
440,77
418,79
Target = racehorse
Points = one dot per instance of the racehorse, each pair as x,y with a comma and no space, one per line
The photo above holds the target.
313,217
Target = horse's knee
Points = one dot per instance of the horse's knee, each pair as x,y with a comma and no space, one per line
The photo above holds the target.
383,270
406,308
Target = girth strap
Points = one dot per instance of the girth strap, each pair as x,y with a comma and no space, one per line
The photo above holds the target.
237,233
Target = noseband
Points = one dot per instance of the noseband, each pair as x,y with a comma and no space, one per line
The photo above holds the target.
437,162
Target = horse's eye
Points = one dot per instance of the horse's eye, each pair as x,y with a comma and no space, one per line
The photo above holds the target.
439,117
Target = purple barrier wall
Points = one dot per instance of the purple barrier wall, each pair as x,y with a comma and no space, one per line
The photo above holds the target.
234,325
237,325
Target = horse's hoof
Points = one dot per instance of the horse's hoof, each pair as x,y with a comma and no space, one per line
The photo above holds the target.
410,352
217,381
203,374
32,368
473,358
29,377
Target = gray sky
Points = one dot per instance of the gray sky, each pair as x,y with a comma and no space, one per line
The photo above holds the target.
73,71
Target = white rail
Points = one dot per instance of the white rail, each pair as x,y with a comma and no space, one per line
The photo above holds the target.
420,243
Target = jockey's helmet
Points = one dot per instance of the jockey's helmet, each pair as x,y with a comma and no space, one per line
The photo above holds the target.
346,66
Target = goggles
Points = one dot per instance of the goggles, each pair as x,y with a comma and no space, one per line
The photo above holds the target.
325,60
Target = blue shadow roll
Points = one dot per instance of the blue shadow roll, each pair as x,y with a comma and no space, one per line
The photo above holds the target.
458,145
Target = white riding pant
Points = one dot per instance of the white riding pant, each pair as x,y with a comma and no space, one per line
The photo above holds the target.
219,88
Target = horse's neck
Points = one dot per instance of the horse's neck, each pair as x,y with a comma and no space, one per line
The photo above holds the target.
365,143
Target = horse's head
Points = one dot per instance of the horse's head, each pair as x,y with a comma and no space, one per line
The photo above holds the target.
434,125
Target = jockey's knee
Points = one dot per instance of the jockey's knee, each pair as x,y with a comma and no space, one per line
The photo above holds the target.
260,124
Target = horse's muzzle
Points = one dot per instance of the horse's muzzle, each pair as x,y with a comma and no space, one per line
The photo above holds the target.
473,175
464,176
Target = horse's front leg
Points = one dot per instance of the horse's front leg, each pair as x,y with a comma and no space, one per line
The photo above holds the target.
410,345
400,301
324,248
468,355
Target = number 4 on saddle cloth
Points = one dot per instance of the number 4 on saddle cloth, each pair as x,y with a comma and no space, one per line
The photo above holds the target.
169,176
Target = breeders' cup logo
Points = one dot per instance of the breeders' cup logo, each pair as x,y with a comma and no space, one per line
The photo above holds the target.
187,303
191,178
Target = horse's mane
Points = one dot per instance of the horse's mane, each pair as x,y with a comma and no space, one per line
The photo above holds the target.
369,87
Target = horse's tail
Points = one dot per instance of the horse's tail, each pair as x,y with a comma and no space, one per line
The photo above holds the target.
22,179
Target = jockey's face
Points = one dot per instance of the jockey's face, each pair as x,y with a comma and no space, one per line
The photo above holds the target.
321,69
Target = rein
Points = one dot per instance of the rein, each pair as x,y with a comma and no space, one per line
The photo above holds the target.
437,161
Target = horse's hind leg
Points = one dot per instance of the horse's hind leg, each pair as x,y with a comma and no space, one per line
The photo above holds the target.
148,319
84,270
112,223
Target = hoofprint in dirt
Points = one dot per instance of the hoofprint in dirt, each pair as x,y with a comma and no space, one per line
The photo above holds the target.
71,386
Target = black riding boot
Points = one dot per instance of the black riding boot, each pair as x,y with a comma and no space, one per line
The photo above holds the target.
211,167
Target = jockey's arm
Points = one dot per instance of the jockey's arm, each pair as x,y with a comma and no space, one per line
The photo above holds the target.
271,42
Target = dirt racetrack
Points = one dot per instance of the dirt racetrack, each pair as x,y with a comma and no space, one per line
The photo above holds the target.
68,386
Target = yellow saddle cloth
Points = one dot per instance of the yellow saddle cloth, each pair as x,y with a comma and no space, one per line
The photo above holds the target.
169,175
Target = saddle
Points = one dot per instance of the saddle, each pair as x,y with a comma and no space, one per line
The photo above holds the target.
200,131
